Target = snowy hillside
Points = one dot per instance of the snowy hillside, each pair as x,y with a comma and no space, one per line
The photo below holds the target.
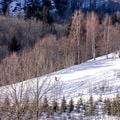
100,77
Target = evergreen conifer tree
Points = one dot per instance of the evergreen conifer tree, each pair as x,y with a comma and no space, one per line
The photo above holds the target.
63,105
14,45
38,15
28,12
114,109
91,107
5,6
107,107
54,106
118,105
79,102
71,106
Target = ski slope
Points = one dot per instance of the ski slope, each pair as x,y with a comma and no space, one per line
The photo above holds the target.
99,77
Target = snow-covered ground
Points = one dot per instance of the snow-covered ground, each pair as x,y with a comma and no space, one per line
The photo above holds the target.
77,117
99,77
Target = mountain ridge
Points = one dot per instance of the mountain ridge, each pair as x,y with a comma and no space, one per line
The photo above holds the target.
62,6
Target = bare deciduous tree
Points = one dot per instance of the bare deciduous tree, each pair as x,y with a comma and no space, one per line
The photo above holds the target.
107,24
42,88
92,31
76,35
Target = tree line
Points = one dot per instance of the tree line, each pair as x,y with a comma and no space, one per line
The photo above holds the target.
64,108
37,48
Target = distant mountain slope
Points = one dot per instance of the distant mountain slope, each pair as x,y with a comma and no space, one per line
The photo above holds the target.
16,7
64,6
100,77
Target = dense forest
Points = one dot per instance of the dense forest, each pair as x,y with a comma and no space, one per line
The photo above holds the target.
58,9
30,48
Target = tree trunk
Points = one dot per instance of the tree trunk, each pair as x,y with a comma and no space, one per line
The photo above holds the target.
93,48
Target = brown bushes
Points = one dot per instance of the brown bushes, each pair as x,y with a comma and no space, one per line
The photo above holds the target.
48,55
26,32
43,53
